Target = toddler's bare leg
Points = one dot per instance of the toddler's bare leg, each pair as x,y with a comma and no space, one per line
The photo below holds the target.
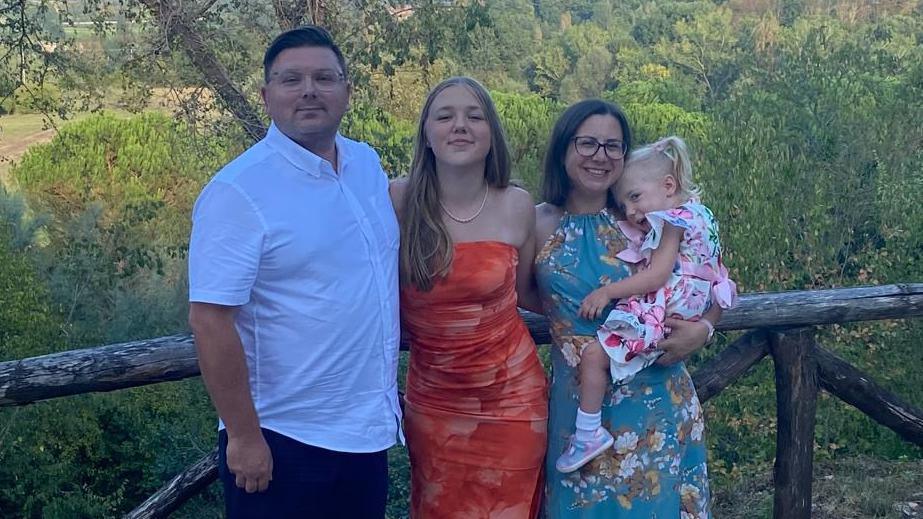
590,438
594,377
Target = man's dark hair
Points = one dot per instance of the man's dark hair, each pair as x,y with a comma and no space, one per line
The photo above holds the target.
555,182
305,36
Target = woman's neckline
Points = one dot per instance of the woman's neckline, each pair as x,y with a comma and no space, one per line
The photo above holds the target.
604,210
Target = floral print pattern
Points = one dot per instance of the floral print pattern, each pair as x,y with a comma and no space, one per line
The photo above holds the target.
657,466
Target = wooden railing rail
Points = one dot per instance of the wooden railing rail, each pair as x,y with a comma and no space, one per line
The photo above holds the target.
166,359
781,322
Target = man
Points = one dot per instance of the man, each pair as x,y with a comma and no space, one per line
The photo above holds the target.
293,292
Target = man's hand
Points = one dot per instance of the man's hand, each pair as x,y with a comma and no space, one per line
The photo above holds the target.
250,460
685,338
593,304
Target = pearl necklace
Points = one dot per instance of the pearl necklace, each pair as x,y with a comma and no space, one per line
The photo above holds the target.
472,217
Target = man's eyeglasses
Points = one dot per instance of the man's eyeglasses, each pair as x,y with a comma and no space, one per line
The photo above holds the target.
588,146
323,80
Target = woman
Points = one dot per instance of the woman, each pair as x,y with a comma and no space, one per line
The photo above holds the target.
656,467
476,401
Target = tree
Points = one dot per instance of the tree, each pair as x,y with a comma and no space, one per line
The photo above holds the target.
705,47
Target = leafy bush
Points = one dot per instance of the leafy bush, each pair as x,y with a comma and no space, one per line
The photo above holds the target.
28,323
118,193
391,137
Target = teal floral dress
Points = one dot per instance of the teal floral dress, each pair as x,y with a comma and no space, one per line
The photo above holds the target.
657,467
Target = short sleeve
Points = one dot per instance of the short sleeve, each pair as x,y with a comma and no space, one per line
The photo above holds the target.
225,246
680,217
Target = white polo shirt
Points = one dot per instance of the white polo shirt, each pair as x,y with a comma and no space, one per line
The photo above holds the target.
310,256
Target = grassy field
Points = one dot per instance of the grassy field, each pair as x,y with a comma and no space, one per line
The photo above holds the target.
18,126
850,488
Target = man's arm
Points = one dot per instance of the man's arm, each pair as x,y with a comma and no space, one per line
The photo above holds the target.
224,370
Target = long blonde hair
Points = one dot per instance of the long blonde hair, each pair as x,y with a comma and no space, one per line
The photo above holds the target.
426,247
670,155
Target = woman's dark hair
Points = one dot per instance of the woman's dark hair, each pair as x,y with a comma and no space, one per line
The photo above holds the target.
555,182
304,36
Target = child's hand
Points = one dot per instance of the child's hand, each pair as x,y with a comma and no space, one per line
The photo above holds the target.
593,305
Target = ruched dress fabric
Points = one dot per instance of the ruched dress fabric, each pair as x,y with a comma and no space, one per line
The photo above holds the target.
657,467
476,401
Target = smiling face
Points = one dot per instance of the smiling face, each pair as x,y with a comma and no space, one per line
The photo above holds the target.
642,190
597,173
301,111
456,128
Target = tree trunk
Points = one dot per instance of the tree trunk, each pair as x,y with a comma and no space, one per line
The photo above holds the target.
107,368
834,305
290,14
177,28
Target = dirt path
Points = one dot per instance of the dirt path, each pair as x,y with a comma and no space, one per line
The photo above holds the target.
13,150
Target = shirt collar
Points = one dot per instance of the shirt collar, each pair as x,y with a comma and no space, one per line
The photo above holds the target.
301,158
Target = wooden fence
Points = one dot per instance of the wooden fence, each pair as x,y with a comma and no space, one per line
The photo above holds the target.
780,327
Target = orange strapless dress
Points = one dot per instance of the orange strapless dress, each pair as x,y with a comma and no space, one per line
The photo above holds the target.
476,403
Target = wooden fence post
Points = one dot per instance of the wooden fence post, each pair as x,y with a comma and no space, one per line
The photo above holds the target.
796,404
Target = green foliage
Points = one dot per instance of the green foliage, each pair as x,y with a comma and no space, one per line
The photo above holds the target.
579,64
29,99
146,163
527,121
704,48
651,120
100,455
109,272
819,131
28,323
391,138
118,193
498,49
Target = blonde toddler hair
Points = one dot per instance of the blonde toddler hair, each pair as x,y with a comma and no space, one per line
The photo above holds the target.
668,156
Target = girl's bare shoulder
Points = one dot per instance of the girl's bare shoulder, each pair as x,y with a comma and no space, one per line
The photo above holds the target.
397,188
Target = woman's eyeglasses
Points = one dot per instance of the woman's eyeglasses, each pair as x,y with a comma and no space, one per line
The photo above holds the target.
588,146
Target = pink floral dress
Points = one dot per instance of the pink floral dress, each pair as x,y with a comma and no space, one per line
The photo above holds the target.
632,330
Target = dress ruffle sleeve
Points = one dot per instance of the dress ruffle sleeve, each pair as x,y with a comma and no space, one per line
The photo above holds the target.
640,244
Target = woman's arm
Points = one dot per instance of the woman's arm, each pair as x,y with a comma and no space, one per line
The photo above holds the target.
526,289
686,337
663,259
